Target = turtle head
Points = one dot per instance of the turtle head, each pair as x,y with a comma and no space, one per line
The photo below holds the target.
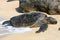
51,20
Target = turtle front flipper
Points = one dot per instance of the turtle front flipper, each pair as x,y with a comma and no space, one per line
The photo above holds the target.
42,28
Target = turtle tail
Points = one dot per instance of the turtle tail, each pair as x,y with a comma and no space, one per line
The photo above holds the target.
6,22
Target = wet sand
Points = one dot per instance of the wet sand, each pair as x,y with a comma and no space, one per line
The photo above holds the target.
7,10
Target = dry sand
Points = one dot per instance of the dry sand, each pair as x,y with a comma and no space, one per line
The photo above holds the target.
7,10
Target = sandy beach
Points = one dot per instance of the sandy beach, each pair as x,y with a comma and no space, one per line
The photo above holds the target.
8,10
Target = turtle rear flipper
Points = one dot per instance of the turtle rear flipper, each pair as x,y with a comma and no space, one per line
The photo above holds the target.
5,22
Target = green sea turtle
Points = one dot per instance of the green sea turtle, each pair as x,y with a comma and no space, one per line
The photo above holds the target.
32,19
47,6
